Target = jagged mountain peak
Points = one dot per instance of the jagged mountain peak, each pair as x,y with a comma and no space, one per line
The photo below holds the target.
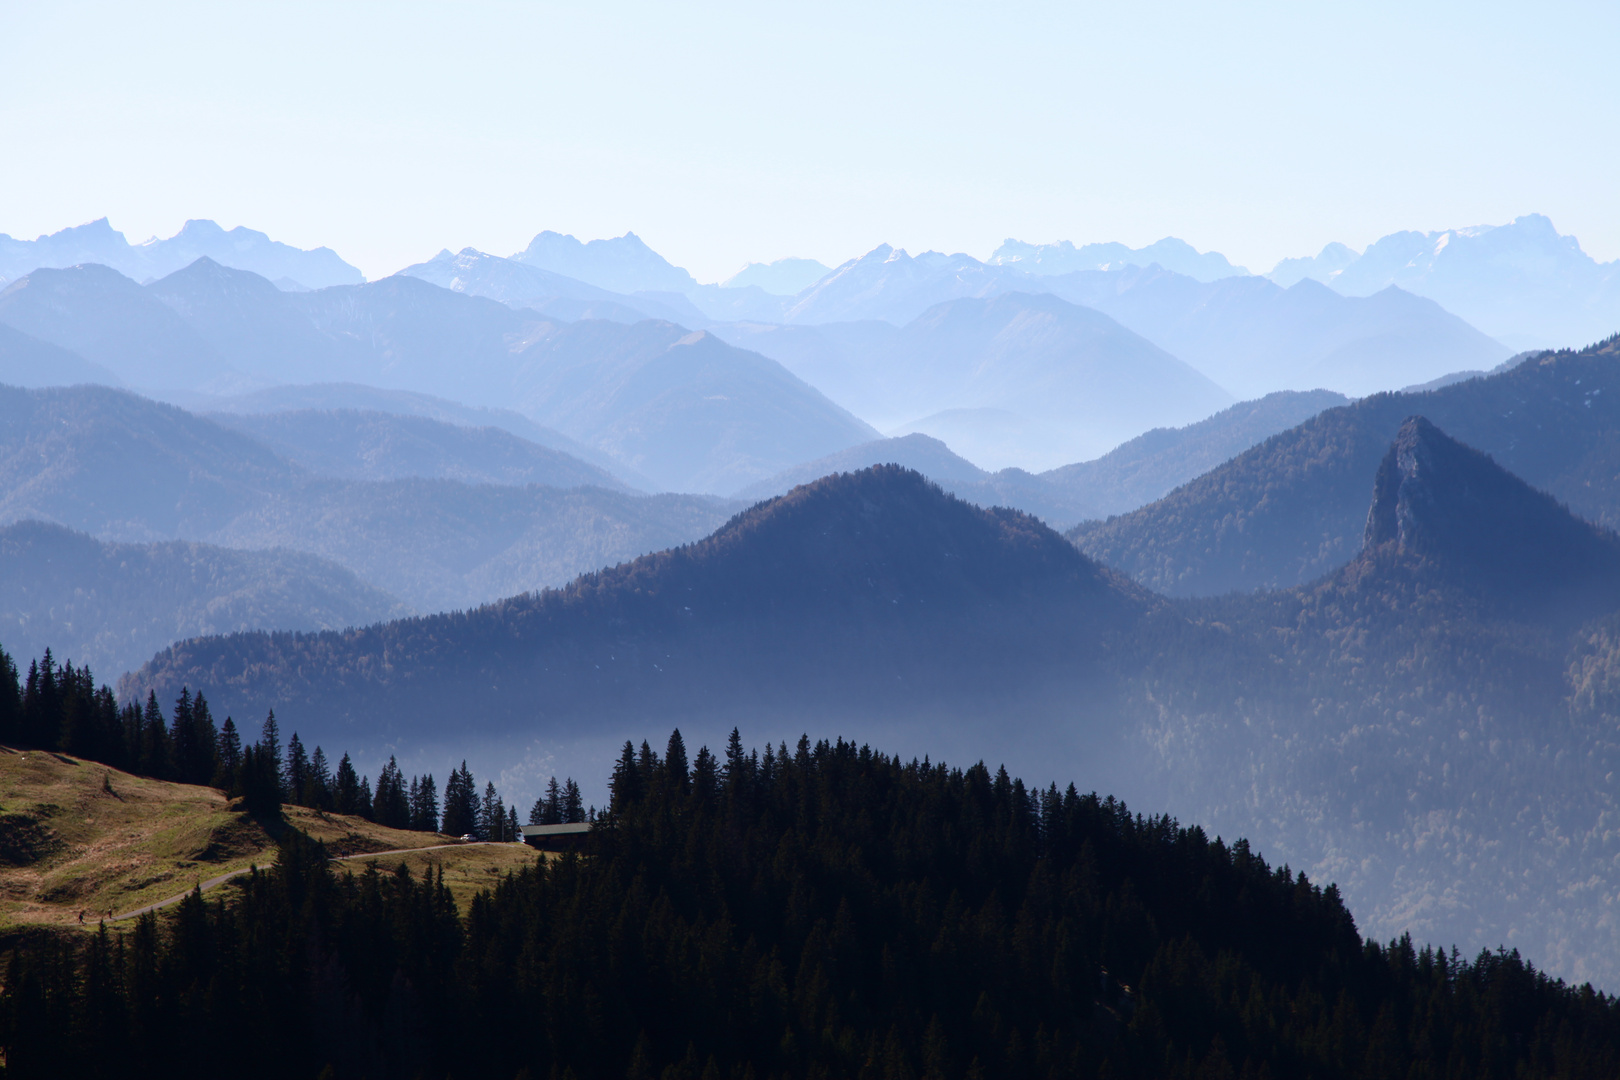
1445,507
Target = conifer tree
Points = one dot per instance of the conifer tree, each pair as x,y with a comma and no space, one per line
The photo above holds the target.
181,734
675,765
229,756
460,803
295,771
391,804
626,786
41,704
425,805
154,751
261,782
492,817
346,788
551,810
735,773
513,831
10,701
573,807
318,792
270,748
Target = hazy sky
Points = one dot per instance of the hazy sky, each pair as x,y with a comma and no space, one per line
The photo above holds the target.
728,133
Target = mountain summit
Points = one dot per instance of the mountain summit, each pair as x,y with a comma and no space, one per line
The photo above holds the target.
1440,505
872,599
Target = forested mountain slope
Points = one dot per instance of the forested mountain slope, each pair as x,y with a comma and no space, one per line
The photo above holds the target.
1146,467
1429,722
1293,507
113,605
1432,725
870,595
824,911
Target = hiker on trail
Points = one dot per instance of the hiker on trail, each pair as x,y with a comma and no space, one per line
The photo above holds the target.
81,916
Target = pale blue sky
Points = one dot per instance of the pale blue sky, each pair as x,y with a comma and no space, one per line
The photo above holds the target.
724,133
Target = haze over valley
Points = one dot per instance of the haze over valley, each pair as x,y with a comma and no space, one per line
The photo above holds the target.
638,498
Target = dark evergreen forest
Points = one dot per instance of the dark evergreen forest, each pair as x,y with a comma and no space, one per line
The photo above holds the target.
60,708
816,912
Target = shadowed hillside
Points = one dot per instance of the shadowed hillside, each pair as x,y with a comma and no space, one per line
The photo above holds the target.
113,605
871,594
1431,725
1293,508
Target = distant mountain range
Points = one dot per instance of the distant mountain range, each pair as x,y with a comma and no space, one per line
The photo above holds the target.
123,468
1292,508
624,264
1058,383
1253,337
244,249
113,605
689,411
28,361
784,277
1522,283
554,295
1177,256
1132,474
355,397
357,445
1246,334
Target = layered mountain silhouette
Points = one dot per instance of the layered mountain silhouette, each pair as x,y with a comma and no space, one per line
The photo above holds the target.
870,596
1292,508
1398,725
122,467
253,326
364,445
1072,380
555,296
113,605
1522,282
328,397
1245,333
624,264
687,409
1254,337
242,248
1174,255
1133,473
690,412
28,361
784,277
109,320
1147,467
